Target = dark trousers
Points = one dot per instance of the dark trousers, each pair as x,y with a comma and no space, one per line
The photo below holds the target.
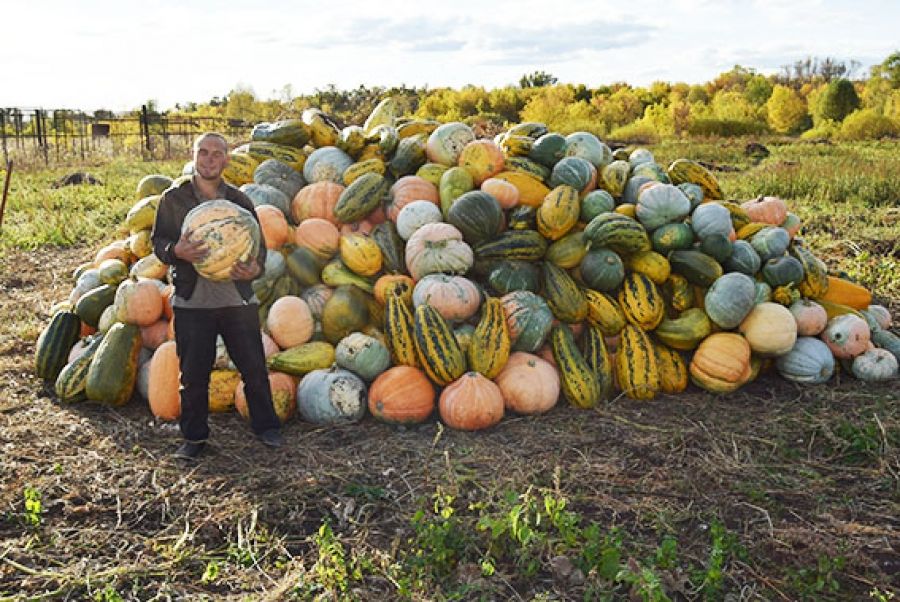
195,340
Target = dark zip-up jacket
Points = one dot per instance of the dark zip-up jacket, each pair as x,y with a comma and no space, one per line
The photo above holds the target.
173,207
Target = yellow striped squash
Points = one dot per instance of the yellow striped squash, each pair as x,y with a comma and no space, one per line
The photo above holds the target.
373,165
597,358
604,312
361,254
558,212
679,292
490,344
641,301
399,329
651,264
436,346
577,380
636,369
673,372
685,170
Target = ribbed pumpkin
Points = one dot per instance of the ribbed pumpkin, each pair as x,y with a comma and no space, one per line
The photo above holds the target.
766,209
721,364
447,141
415,215
437,248
401,395
809,361
332,396
471,403
490,345
529,384
456,298
770,329
319,236
317,200
326,164
164,390
138,302
875,365
280,175
290,322
230,233
661,205
284,396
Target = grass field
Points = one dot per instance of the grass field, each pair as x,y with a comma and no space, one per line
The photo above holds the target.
778,492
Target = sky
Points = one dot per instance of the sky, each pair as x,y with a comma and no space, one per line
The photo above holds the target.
95,54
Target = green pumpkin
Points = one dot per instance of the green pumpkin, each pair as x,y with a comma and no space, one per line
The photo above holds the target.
614,176
548,149
781,271
529,320
455,182
512,275
717,246
365,356
602,270
660,205
477,215
743,258
729,299
670,237
770,242
595,203
572,171
346,311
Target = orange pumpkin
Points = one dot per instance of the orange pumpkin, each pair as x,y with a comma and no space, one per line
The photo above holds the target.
471,403
115,250
164,394
270,347
766,209
155,334
847,336
408,189
274,225
388,281
317,200
284,396
505,192
166,295
811,317
529,384
721,363
290,322
456,298
319,236
401,395
138,302
361,227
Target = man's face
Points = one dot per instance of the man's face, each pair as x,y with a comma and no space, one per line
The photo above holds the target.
210,158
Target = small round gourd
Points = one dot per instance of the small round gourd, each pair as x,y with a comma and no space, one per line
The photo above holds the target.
875,365
730,299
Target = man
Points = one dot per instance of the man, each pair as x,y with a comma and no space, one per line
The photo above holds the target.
205,309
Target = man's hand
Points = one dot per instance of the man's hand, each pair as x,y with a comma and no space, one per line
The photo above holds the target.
245,270
190,250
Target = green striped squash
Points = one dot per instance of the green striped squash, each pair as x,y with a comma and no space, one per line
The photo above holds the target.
361,197
641,301
578,381
618,232
54,343
566,300
71,384
113,370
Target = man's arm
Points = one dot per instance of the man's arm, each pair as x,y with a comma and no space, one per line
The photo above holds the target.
166,232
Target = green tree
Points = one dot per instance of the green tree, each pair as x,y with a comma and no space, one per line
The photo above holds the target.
538,79
889,69
758,90
837,100
786,110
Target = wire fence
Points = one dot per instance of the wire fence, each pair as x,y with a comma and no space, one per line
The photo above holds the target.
33,136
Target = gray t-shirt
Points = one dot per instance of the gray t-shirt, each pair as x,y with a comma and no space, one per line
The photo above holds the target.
209,294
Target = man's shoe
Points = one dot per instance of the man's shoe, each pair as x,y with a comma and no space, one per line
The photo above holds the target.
189,450
272,438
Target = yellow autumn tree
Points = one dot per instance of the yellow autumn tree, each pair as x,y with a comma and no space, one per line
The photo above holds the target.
786,110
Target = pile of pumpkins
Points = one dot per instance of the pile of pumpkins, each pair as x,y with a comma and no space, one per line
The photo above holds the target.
411,265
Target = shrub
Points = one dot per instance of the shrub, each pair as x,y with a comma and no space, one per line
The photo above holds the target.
823,130
725,127
638,132
867,124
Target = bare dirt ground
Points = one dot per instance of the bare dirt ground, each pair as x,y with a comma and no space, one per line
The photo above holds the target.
806,479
